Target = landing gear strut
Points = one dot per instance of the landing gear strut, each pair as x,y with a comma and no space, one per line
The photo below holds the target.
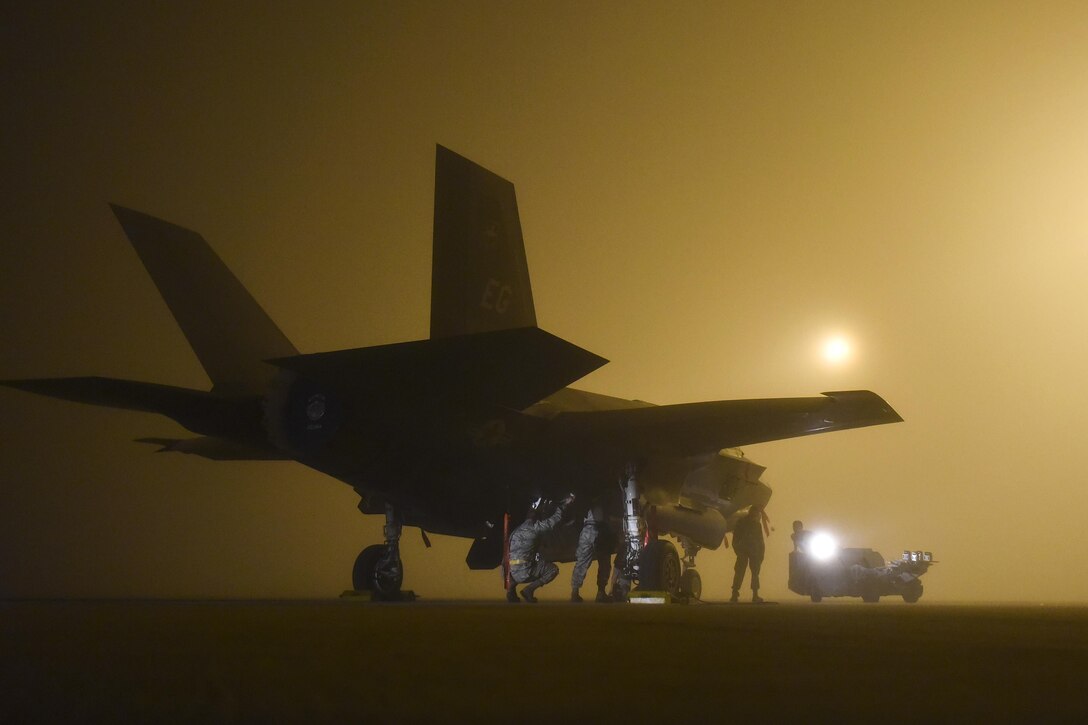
629,561
632,526
378,568
650,561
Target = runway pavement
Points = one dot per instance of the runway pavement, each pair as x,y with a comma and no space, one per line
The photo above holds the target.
349,661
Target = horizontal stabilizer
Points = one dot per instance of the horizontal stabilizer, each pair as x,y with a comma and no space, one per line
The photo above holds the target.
693,428
111,392
510,368
199,411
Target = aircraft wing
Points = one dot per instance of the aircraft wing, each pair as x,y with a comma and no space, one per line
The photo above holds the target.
693,428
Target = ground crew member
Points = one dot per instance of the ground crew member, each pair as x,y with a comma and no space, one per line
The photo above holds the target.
800,537
749,547
591,545
527,566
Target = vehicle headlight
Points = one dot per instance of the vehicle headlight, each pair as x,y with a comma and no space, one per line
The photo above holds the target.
822,546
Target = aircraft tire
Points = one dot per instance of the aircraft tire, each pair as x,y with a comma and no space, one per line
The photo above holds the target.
691,584
660,568
362,575
388,576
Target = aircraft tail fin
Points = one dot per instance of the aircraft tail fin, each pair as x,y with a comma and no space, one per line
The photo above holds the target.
479,274
227,329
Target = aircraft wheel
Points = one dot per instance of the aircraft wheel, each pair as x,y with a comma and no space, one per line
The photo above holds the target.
362,575
913,592
388,576
691,584
660,568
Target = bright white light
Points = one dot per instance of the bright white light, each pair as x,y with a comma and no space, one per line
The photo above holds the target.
836,350
822,546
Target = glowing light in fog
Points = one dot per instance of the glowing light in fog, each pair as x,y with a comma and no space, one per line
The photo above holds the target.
837,350
822,546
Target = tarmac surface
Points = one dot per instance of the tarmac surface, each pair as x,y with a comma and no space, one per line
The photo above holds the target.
351,661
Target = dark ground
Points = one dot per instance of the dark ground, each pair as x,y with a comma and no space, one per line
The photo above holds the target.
344,660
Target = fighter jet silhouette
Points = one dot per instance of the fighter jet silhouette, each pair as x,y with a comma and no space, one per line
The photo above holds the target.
455,434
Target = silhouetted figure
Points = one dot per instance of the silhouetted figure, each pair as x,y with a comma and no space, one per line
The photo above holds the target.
749,547
592,545
527,566
800,537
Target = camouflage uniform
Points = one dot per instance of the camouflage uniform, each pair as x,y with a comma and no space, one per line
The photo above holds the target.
589,548
526,564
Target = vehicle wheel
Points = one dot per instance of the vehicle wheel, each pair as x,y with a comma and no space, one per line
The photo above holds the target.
913,592
691,584
870,598
362,575
815,594
660,568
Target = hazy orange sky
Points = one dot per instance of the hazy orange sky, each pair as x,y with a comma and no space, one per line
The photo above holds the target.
707,190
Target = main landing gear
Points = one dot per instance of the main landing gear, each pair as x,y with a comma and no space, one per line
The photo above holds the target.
660,567
378,568
633,526
653,562
663,570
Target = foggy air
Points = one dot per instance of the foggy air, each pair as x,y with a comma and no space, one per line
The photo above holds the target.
698,203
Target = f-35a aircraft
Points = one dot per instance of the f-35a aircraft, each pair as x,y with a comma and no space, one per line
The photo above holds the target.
454,433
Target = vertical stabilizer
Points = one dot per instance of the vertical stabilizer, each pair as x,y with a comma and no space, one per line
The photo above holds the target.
225,326
479,276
